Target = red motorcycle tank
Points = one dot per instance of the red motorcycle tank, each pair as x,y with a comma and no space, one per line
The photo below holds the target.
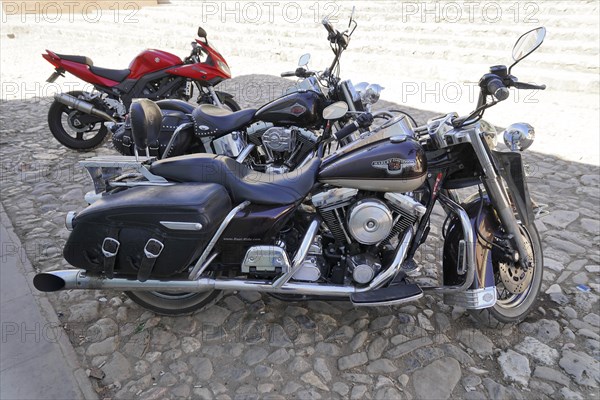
151,60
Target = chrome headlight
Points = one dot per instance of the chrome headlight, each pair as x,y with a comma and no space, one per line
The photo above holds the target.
372,93
369,93
519,136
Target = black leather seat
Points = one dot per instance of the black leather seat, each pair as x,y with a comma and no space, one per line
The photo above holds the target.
175,104
117,75
146,122
78,59
242,182
214,121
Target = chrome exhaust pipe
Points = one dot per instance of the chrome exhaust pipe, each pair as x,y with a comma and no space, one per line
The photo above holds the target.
79,279
82,106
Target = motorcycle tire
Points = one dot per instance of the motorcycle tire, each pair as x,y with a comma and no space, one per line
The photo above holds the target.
169,303
511,308
60,133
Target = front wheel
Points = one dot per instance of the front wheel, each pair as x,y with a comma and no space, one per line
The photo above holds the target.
75,129
230,104
517,289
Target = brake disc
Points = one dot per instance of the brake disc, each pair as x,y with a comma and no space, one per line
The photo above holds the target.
515,278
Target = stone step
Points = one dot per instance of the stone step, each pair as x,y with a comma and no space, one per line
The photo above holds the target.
68,6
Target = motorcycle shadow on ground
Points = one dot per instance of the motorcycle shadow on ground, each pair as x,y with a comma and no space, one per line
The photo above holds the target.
41,181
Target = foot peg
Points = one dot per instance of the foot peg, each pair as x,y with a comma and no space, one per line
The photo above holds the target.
388,296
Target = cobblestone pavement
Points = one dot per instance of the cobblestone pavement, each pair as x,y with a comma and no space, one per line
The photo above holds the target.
253,346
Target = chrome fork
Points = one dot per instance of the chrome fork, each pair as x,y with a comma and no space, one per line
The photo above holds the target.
499,197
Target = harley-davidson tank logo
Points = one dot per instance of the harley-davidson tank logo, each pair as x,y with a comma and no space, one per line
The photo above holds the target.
394,166
297,109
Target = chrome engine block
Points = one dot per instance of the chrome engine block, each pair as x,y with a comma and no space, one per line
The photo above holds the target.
368,221
279,139
364,267
312,267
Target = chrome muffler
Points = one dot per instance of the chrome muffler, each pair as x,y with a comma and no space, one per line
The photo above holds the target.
80,279
82,106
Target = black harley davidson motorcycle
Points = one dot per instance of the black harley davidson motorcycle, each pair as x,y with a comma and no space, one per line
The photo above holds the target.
346,225
277,137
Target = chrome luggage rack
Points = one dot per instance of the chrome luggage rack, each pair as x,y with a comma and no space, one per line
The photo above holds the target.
109,171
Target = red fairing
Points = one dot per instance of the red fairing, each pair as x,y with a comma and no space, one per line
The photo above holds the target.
82,71
201,72
152,60
210,71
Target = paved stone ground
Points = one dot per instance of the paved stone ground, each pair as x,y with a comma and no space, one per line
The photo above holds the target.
254,346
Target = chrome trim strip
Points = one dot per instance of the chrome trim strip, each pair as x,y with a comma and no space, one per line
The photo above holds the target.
474,299
140,183
390,303
195,274
182,226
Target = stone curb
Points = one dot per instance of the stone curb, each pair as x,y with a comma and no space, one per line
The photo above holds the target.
66,348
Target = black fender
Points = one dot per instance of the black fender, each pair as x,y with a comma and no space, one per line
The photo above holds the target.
484,224
510,166
223,95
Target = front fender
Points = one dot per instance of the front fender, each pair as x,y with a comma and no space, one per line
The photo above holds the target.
510,167
484,222
223,95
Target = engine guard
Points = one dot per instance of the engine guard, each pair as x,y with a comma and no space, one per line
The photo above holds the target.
482,293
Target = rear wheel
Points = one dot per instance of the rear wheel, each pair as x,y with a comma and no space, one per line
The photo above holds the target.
75,129
517,289
169,303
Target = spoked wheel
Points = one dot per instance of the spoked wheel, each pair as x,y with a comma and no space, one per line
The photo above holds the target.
169,303
517,289
75,129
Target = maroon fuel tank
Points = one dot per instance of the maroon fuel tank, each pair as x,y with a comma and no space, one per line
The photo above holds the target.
379,163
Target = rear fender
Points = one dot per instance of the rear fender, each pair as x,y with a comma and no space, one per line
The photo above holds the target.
486,223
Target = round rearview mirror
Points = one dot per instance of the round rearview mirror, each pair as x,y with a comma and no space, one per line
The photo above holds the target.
201,32
528,42
304,59
335,111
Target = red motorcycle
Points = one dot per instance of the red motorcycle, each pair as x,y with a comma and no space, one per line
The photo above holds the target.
76,118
